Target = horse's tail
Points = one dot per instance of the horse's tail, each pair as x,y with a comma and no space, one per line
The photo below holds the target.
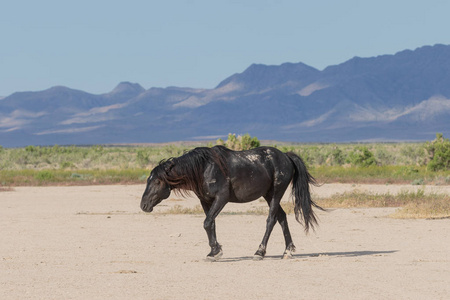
300,192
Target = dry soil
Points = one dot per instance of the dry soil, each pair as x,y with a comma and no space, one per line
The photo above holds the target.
94,243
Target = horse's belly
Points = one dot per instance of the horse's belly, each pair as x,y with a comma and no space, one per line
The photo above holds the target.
250,189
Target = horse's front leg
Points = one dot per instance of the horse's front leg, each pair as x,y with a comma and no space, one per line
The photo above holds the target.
211,211
216,249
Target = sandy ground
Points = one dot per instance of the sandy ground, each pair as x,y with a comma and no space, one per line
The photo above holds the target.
94,243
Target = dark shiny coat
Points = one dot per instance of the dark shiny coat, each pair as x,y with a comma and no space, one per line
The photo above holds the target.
218,175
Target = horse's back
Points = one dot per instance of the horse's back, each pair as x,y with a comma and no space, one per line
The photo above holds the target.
253,173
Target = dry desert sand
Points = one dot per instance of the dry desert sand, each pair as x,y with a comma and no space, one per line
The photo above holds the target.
93,242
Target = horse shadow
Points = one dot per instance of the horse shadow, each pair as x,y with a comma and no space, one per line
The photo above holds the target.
311,255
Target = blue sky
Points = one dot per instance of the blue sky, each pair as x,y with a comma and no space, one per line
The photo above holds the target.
93,45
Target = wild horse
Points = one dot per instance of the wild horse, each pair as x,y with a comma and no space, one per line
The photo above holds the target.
218,175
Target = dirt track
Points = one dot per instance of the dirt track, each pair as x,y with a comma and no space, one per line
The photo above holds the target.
94,243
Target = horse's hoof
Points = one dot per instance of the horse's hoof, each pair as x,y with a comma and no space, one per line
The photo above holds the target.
257,257
288,252
260,253
214,257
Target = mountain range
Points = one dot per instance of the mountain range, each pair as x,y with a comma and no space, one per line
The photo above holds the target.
400,97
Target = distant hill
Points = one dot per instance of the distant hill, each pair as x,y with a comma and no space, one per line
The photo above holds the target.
405,96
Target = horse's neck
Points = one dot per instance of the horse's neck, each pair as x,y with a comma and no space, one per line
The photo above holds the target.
187,181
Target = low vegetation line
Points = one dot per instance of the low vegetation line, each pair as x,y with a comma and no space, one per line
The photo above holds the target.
324,174
417,163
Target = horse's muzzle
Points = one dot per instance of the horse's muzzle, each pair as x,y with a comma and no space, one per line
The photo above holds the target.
147,208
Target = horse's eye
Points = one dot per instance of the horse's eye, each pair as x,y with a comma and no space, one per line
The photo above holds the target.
157,181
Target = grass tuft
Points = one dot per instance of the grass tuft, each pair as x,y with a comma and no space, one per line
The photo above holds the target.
413,204
436,208
180,210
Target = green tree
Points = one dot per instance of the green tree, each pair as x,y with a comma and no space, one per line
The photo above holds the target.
438,153
241,142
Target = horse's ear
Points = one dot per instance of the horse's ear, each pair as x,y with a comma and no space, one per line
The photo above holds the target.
169,167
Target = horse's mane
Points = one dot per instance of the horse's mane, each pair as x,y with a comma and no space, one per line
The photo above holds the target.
185,173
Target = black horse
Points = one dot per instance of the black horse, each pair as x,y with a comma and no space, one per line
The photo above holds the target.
218,175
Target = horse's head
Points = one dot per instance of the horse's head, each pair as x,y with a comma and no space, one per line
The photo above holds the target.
156,191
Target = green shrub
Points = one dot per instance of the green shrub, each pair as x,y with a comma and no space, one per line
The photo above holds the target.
67,165
44,175
337,157
31,149
241,142
361,156
248,142
418,182
384,155
413,154
142,158
439,153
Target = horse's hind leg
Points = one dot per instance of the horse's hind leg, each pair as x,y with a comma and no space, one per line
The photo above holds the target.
276,213
274,204
290,248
